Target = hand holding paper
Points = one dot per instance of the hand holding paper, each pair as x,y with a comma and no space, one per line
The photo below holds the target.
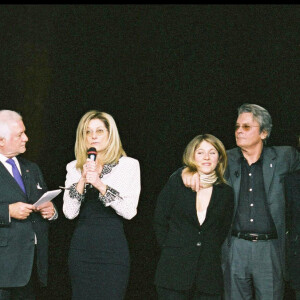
48,196
45,206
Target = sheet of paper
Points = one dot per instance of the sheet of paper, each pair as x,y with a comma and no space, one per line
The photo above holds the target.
48,196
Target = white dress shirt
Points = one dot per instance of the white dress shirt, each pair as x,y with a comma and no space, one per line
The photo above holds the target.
8,166
3,159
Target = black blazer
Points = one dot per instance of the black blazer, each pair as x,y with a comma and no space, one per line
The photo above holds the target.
292,189
191,254
17,237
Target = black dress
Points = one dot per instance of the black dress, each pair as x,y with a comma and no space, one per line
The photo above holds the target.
99,256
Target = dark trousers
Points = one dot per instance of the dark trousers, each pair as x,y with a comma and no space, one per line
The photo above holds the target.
27,292
167,294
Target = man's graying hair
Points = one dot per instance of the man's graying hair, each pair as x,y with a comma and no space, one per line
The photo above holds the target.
7,117
260,114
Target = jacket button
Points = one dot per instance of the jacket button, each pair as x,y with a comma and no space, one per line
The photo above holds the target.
199,244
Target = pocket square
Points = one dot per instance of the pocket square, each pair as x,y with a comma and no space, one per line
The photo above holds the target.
39,187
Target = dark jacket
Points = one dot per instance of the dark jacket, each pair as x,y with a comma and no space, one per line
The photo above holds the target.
292,188
190,253
17,237
278,161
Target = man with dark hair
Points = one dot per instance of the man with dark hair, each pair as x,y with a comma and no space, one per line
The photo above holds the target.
23,227
254,252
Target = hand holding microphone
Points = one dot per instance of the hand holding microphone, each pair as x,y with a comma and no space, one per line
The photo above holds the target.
90,166
91,173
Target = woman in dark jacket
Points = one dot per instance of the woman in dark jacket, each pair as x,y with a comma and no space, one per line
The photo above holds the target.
190,227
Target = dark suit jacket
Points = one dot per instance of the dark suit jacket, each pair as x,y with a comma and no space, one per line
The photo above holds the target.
17,238
292,188
277,162
191,253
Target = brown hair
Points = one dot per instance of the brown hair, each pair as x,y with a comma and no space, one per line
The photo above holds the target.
189,154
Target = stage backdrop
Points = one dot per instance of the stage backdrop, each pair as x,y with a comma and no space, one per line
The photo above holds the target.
165,72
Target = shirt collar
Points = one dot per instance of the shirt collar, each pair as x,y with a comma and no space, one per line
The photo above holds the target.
3,159
259,160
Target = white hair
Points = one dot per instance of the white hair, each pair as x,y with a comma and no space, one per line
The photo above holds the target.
6,118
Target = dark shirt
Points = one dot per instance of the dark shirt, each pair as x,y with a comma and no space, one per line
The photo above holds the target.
253,215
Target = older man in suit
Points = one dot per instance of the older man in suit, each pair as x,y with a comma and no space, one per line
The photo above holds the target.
254,252
23,228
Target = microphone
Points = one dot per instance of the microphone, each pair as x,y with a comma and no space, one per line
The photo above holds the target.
236,173
91,153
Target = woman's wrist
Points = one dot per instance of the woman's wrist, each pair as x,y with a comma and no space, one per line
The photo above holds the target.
102,188
80,185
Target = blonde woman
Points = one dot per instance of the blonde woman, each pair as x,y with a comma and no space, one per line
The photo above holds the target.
100,194
191,227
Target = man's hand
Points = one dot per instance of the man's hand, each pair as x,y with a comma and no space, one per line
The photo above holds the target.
20,210
47,210
191,180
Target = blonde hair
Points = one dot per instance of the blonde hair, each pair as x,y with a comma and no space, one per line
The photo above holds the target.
189,154
113,150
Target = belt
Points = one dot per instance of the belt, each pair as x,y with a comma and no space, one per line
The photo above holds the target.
254,236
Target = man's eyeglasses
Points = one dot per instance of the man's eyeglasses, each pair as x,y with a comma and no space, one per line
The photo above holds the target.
245,127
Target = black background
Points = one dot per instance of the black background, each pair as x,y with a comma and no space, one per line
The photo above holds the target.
165,73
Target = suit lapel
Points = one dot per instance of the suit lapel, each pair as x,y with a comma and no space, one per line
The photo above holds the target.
212,203
235,176
269,165
25,176
190,198
214,200
8,180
